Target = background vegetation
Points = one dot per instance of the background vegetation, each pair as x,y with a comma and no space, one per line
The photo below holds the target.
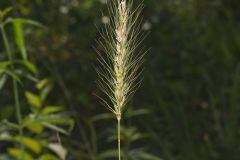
187,107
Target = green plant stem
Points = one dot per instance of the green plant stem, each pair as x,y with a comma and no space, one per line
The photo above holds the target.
119,137
15,91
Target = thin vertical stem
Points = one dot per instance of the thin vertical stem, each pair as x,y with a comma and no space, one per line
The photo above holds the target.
119,138
15,91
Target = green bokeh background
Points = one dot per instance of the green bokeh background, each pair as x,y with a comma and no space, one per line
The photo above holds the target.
191,85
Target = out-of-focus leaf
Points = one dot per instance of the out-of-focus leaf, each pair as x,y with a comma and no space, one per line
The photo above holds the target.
9,124
24,9
30,66
51,109
137,154
33,126
5,136
48,157
15,152
24,21
19,37
4,64
58,149
108,154
45,87
128,134
29,76
33,99
59,120
42,83
55,128
3,79
51,122
28,21
5,157
132,113
31,143
5,11
104,116
45,91
11,74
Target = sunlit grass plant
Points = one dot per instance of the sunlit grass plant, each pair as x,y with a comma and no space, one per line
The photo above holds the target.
29,138
120,62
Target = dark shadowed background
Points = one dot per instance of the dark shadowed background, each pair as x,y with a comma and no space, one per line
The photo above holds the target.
188,105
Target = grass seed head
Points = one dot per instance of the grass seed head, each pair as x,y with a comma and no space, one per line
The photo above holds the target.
121,59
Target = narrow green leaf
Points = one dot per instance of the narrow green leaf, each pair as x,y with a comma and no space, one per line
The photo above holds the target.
19,37
45,91
9,124
30,66
138,112
33,99
30,22
15,152
41,84
59,120
108,154
24,21
11,74
55,128
147,156
45,87
104,116
51,109
31,143
30,77
48,157
3,79
5,12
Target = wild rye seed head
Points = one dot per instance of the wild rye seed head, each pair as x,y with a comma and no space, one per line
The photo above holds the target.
119,65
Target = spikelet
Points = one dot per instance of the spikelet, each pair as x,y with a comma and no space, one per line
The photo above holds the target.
121,58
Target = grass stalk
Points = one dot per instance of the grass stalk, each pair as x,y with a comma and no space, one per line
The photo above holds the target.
15,91
119,137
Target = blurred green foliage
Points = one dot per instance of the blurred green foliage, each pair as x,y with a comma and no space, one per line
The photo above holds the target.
191,88
29,137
